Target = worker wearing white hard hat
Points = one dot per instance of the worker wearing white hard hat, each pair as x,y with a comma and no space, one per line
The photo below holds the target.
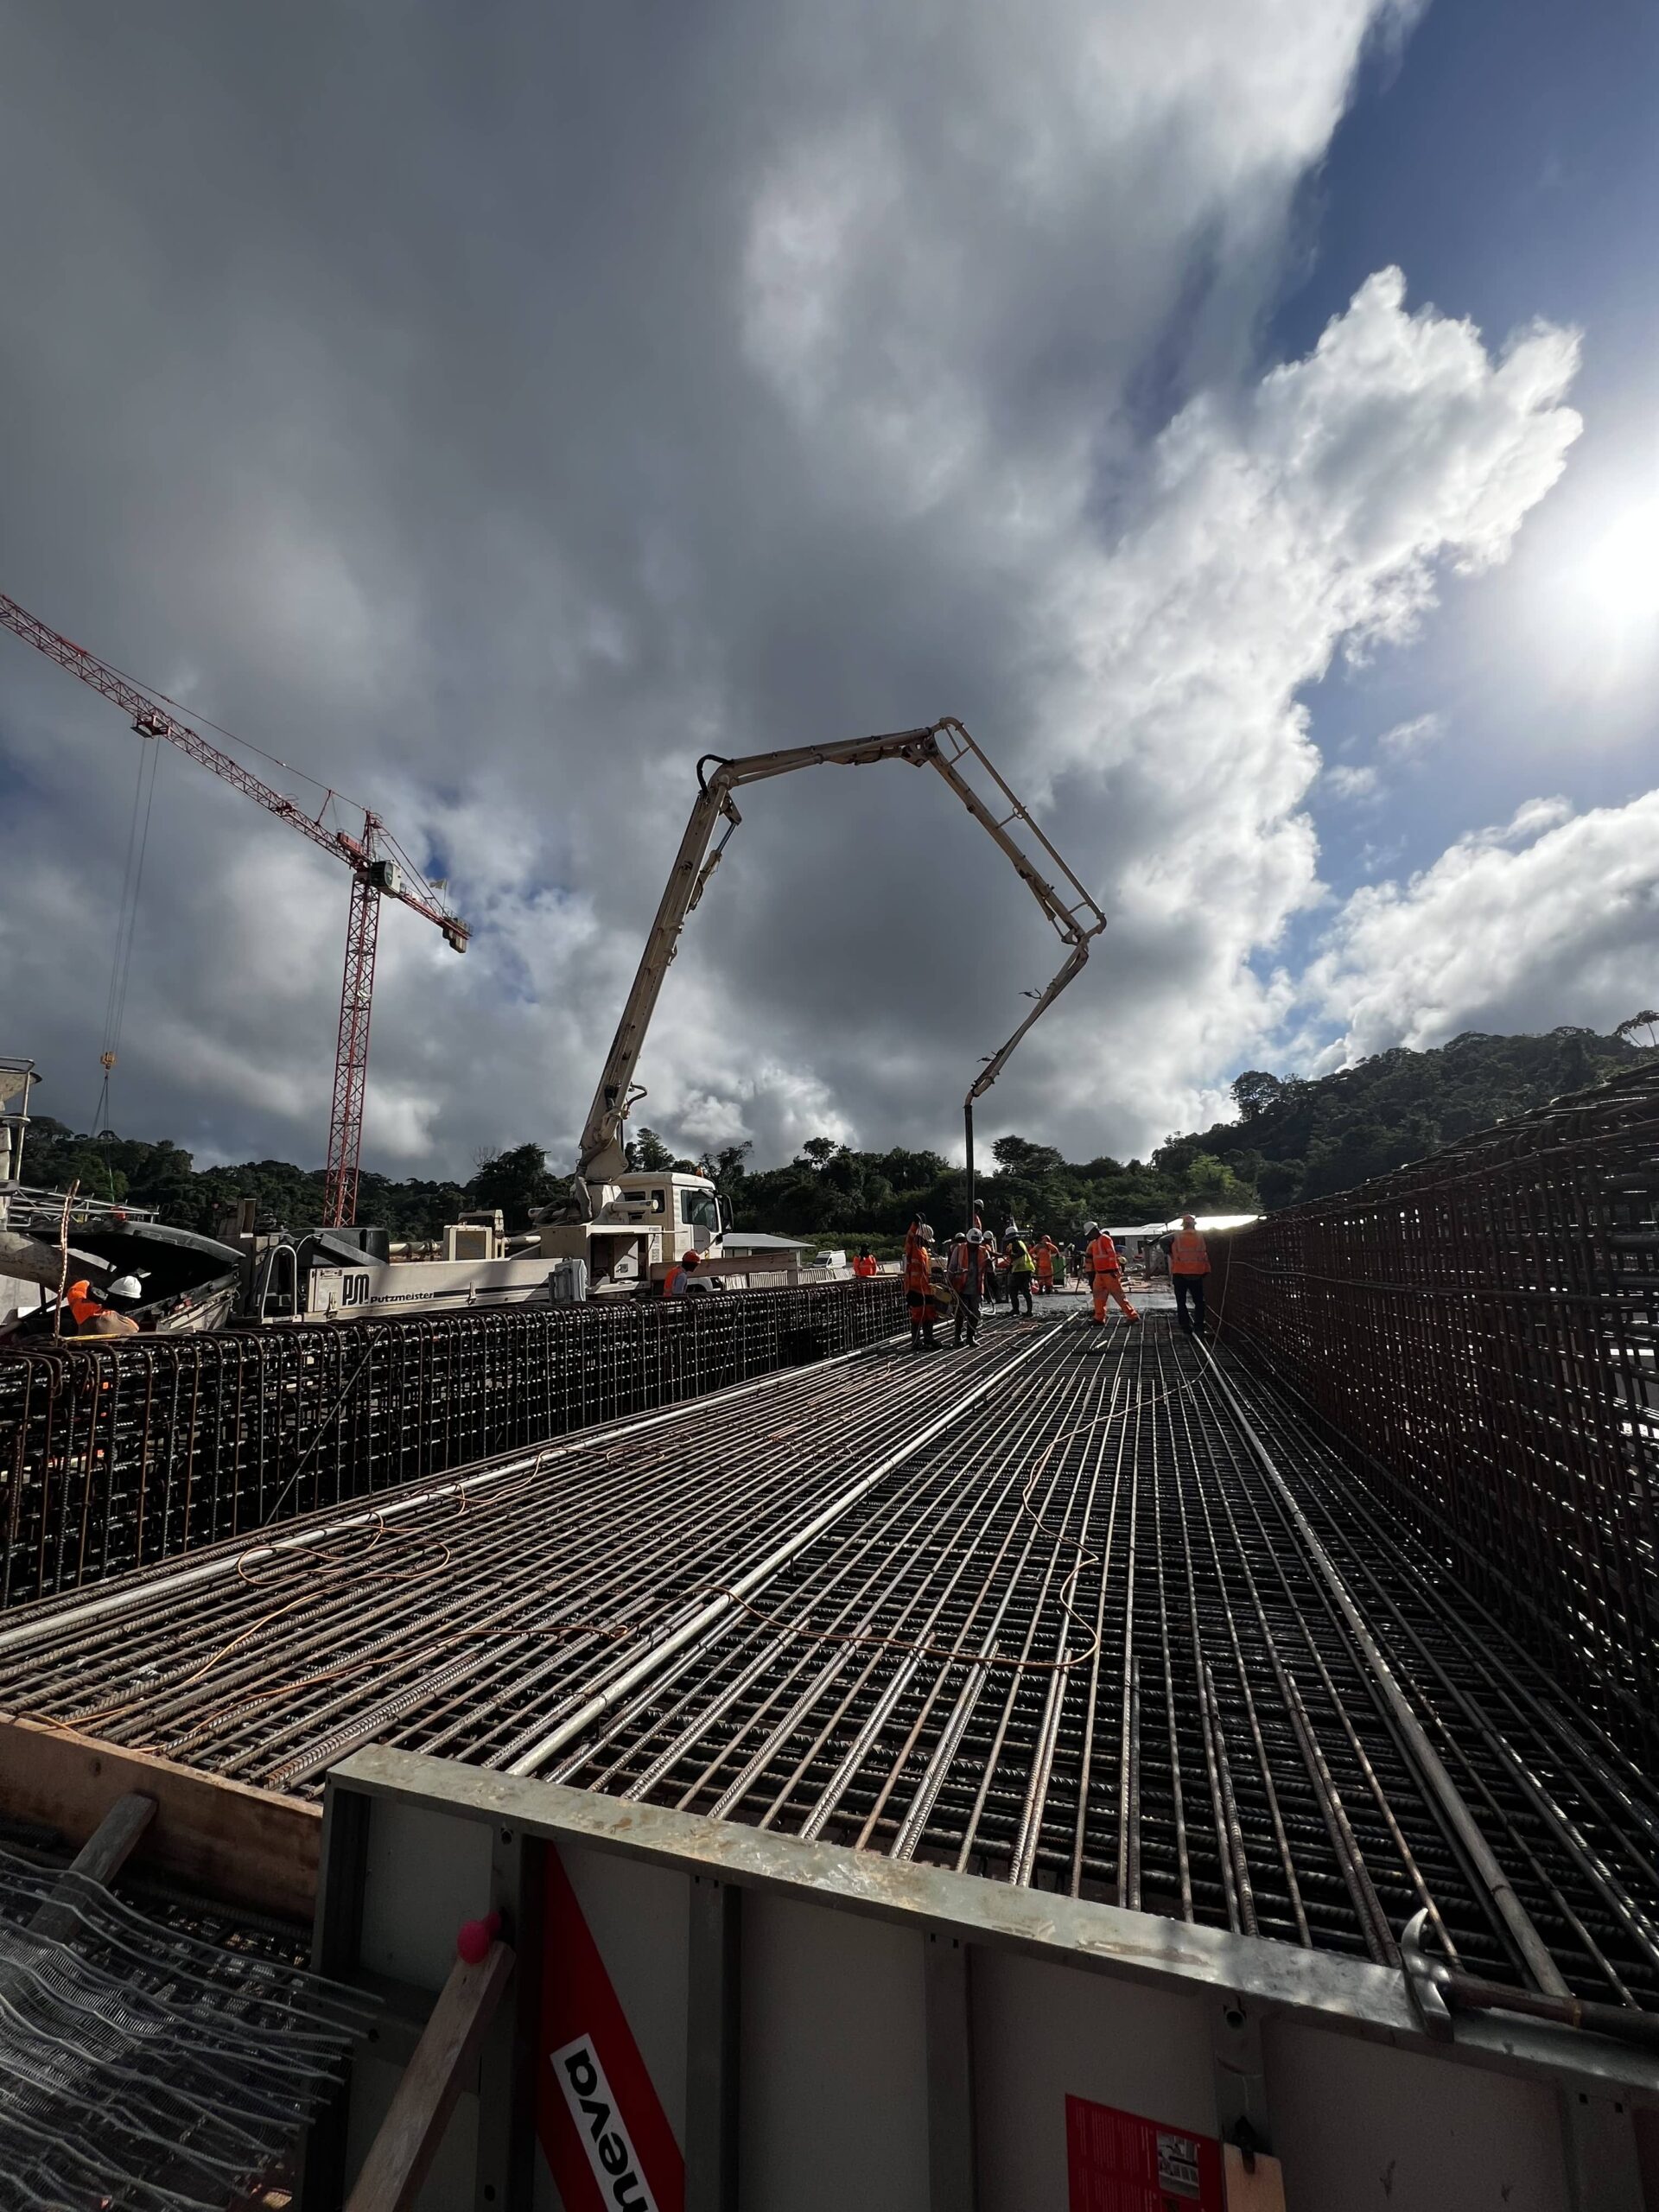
125,1290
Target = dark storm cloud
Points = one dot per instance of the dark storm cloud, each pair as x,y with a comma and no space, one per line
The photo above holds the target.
494,411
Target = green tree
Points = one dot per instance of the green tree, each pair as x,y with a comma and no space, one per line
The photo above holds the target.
648,1155
1254,1091
1210,1185
1032,1162
516,1181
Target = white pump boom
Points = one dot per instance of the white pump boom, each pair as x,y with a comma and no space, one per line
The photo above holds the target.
945,745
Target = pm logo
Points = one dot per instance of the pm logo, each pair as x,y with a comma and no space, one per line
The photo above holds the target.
606,2140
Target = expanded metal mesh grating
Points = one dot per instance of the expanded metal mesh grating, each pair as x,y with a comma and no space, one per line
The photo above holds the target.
120,1457
145,2066
1482,1331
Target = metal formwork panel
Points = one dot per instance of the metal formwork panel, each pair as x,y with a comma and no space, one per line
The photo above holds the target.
904,2039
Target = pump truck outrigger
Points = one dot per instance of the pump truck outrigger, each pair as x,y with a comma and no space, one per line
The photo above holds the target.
628,1225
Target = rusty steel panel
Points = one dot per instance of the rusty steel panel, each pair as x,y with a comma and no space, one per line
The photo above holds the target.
1480,1332
147,1447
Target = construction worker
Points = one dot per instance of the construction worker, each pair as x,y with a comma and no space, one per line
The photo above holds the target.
865,1265
918,1285
678,1279
84,1315
1021,1268
1107,1275
991,1284
78,1307
965,1278
1189,1263
1046,1250
125,1290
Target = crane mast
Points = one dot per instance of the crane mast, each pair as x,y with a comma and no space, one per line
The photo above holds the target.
376,874
943,745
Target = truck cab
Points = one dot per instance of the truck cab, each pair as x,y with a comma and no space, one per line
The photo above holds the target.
644,1221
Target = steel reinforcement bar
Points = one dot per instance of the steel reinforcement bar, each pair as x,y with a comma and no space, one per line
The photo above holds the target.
129,1454
1074,1609
1480,1332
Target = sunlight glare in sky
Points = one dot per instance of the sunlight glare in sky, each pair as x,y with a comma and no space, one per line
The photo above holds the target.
1600,588
1619,576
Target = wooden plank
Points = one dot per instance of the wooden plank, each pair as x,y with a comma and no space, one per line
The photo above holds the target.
248,1847
403,2152
100,1860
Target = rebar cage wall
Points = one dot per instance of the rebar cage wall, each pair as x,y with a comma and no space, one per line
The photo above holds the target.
1480,1331
141,1449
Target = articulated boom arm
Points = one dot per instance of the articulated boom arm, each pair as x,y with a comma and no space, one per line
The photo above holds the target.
944,746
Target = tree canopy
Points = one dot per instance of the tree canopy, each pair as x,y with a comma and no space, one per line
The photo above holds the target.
1295,1138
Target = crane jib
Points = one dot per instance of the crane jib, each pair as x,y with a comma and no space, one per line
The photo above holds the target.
373,876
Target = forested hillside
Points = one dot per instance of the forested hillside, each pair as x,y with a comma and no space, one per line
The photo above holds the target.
1293,1138
1302,1140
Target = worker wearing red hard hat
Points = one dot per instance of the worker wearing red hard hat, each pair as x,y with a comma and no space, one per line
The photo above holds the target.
678,1279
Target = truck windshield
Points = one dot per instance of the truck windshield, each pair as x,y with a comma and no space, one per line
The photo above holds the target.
698,1210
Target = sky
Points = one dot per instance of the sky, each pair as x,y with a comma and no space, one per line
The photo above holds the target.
1244,418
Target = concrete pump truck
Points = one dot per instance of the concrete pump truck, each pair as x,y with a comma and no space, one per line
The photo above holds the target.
630,1226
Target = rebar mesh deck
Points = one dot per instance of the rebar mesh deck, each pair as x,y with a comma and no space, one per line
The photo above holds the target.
118,1453
1085,1634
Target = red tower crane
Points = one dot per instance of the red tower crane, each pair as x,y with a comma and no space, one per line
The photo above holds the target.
379,870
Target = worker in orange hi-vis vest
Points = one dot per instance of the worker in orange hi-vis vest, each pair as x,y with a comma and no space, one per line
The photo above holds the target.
864,1266
1045,1268
1106,1273
919,1286
1189,1263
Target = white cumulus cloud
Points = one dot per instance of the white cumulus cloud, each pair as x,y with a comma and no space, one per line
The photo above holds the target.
1552,917
1270,530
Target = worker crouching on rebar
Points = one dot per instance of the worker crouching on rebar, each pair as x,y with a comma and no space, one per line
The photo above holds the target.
1106,1273
964,1276
919,1286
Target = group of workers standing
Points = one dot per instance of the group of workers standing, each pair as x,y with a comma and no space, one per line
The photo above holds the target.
977,1268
